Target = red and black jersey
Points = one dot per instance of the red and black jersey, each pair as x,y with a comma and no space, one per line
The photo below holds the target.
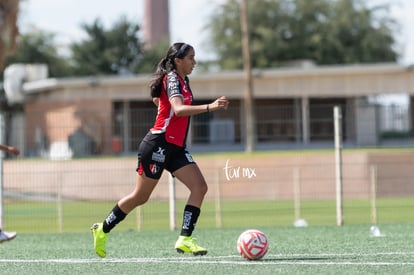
175,128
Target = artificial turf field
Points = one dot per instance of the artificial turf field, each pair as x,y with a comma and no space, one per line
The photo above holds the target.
310,250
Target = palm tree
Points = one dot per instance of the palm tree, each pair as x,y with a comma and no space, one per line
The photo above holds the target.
9,10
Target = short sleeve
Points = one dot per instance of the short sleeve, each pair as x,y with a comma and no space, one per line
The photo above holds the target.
173,85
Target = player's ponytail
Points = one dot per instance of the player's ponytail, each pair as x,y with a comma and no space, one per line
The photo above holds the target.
155,85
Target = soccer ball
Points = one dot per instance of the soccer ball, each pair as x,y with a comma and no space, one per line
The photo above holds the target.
252,244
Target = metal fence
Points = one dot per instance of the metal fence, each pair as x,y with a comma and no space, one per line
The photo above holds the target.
68,194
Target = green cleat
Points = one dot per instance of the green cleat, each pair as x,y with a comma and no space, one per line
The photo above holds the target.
186,244
99,239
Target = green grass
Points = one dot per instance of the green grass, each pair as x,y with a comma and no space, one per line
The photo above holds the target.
144,245
42,217
147,247
312,250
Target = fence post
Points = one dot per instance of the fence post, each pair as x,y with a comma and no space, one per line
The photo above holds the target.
296,193
171,184
59,204
140,217
1,170
373,170
338,164
219,219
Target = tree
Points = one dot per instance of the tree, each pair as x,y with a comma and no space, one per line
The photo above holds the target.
114,51
150,57
40,47
326,31
117,50
9,10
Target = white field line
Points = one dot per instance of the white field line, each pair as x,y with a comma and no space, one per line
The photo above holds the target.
273,259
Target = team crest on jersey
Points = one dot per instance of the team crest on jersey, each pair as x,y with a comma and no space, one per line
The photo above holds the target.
159,155
154,168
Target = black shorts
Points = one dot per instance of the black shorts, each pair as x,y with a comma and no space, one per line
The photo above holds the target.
155,154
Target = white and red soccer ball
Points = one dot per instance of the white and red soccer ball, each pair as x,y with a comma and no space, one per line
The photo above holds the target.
252,244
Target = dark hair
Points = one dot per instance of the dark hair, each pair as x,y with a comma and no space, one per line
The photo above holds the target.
167,65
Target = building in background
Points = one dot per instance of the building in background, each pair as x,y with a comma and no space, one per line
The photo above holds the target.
103,115
294,106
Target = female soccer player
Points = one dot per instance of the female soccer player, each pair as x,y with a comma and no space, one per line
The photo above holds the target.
164,147
8,236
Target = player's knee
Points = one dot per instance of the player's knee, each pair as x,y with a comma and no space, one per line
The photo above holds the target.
203,188
199,189
142,201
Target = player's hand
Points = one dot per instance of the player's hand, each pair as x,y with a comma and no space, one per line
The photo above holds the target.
220,103
13,150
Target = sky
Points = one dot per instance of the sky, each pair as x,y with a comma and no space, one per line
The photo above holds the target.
64,17
187,20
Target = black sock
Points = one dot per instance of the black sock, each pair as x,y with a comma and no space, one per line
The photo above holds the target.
190,218
114,217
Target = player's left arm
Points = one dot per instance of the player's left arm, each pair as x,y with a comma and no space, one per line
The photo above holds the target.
180,109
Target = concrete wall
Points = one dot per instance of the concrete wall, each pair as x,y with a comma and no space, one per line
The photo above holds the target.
235,176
